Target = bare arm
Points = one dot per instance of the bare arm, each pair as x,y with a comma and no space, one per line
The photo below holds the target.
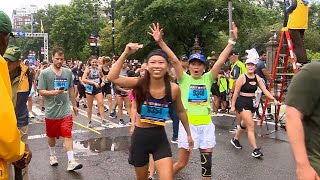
266,74
238,85
181,111
156,33
296,135
264,89
114,74
45,93
225,53
72,96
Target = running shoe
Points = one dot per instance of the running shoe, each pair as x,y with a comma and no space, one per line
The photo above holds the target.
113,115
122,122
78,104
43,109
89,125
151,178
256,153
104,124
98,114
74,165
85,106
235,143
174,140
30,115
53,160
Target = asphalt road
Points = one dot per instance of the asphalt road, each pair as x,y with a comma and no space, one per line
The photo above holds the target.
105,156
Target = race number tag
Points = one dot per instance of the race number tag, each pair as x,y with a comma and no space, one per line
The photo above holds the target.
155,113
60,83
198,95
89,89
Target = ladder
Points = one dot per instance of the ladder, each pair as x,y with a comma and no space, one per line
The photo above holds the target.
289,52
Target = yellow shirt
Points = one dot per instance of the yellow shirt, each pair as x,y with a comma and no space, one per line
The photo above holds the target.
298,19
11,147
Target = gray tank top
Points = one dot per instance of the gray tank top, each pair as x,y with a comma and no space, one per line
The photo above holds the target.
94,74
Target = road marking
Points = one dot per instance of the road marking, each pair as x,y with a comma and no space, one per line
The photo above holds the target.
81,125
78,131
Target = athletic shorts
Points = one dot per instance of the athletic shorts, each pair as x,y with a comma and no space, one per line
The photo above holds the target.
215,90
223,96
82,91
145,141
245,103
202,135
59,127
106,89
75,82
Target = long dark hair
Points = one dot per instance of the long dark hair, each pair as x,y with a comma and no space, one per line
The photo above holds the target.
142,90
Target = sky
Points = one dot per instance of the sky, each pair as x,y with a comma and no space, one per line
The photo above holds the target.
8,5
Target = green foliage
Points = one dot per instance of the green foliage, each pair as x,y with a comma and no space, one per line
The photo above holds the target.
312,56
71,25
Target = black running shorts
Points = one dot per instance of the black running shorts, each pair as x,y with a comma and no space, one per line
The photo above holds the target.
244,103
145,141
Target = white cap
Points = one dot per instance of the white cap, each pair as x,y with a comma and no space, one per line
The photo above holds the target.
252,56
250,60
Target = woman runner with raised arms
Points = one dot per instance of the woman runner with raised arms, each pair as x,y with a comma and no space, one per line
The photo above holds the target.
154,92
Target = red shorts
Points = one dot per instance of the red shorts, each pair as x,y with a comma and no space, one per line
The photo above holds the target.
59,127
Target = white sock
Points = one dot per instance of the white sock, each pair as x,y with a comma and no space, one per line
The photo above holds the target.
52,150
70,155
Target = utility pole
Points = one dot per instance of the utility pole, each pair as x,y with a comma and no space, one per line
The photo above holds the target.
113,28
230,17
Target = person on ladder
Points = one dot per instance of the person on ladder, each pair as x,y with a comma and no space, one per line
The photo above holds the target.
297,24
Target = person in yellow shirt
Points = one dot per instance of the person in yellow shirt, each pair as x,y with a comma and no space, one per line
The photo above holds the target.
12,149
297,24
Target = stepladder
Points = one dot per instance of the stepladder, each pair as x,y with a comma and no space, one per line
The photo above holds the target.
280,73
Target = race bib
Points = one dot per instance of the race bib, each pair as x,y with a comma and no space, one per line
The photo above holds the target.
60,83
198,95
89,89
155,113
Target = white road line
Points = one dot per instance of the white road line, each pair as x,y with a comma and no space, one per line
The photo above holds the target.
39,136
97,119
37,111
256,120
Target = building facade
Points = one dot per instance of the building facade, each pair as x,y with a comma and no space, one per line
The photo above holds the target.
23,16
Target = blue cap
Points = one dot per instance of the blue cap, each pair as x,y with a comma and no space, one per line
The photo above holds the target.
197,56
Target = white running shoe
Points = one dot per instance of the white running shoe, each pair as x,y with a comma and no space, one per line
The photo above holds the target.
31,115
74,165
53,160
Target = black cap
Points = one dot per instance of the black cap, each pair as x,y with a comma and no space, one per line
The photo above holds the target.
234,52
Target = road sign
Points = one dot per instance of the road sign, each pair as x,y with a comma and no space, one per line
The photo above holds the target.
21,33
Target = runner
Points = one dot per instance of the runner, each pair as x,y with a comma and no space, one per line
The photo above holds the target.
43,66
92,77
56,85
195,90
106,89
242,101
153,94
75,76
81,85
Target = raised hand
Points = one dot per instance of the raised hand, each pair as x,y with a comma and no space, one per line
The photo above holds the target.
234,32
132,48
156,32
